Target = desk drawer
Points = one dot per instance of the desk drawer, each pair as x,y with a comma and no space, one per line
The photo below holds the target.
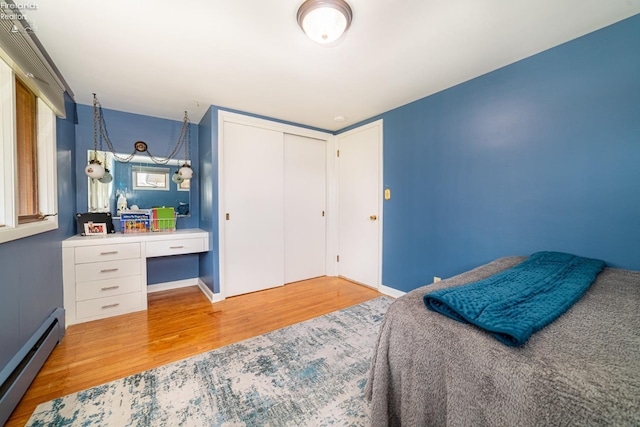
175,247
108,287
110,306
107,270
85,254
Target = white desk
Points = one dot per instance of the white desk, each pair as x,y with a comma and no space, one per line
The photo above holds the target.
106,276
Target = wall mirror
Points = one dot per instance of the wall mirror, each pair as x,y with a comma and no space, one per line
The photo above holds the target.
139,183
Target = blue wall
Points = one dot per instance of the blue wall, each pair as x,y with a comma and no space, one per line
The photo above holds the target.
31,280
543,154
208,166
161,136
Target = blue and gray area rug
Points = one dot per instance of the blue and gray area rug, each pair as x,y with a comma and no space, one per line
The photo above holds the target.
309,374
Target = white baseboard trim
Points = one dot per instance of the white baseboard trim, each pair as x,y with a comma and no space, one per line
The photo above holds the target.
390,291
166,286
213,297
208,293
172,285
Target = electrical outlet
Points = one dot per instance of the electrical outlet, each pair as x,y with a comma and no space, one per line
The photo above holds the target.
436,279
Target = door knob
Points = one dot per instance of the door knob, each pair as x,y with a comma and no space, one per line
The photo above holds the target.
373,217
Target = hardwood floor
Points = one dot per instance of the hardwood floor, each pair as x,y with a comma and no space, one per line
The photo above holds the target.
178,323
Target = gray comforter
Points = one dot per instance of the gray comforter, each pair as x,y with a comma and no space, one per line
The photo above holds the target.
583,369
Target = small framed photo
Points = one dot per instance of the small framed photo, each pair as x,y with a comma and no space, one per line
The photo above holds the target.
94,218
95,228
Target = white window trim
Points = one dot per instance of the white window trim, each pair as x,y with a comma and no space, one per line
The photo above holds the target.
166,172
47,167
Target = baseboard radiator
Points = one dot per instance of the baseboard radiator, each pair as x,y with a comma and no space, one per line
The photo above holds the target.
23,368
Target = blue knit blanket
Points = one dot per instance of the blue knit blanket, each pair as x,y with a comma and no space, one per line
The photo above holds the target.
521,300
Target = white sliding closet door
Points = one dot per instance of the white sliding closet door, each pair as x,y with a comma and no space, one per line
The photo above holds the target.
254,202
305,183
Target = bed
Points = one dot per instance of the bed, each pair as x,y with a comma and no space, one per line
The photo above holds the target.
582,369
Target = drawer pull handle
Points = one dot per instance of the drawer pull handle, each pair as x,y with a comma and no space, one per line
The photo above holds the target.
110,305
109,270
109,288
109,253
176,247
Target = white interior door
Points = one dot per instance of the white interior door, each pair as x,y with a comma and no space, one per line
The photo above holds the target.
305,183
254,202
359,204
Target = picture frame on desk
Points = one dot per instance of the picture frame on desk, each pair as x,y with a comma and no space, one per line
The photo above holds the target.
94,218
95,228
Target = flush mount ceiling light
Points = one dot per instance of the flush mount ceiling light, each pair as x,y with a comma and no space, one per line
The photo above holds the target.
324,21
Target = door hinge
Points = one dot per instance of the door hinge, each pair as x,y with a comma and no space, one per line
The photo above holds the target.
322,213
338,258
338,153
227,216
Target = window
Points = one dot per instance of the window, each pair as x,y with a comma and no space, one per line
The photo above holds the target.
28,186
150,178
185,185
26,154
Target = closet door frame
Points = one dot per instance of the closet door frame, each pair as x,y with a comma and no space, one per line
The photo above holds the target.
331,203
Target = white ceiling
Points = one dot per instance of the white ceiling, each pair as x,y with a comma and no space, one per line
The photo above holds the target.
161,57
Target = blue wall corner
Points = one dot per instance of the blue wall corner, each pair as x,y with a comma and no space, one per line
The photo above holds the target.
208,164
